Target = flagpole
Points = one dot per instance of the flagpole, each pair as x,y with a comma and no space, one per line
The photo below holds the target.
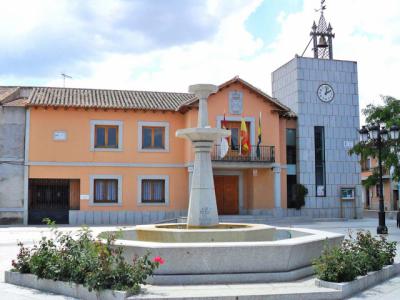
240,136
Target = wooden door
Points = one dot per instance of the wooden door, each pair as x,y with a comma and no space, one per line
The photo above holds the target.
227,194
219,192
74,194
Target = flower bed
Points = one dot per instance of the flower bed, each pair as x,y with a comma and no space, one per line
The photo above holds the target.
357,264
354,257
361,283
86,261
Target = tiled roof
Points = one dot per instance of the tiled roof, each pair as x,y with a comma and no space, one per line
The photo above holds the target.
6,92
96,98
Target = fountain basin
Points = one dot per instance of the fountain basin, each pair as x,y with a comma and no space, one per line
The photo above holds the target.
223,232
273,260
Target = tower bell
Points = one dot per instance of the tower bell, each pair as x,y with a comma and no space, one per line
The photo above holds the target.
322,36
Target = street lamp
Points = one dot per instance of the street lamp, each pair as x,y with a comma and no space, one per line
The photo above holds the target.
378,136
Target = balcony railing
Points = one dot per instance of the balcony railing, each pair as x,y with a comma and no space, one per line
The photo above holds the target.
266,154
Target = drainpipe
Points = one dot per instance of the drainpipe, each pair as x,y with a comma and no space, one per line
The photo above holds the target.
26,167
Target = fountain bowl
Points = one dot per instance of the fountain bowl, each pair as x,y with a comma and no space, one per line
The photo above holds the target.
223,232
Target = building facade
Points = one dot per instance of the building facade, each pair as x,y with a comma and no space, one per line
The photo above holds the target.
111,157
324,96
371,193
12,152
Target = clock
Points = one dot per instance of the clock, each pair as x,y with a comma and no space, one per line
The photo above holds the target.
325,93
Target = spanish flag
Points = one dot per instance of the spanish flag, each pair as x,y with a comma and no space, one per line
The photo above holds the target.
245,147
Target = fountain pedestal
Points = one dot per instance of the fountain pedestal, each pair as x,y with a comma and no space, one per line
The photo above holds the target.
202,203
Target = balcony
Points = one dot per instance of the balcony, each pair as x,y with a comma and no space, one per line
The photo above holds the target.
267,155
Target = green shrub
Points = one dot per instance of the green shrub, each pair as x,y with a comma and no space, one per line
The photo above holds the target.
374,252
85,260
22,263
337,264
356,256
300,193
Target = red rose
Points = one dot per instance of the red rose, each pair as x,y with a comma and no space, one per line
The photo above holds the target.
158,259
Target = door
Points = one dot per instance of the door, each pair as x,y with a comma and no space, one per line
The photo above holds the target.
234,139
367,198
227,194
48,198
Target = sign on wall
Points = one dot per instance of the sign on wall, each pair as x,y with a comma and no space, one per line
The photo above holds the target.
320,191
236,103
59,135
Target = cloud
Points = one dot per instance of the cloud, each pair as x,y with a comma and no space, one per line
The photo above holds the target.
42,37
135,53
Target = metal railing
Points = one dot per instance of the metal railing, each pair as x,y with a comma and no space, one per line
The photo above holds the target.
265,154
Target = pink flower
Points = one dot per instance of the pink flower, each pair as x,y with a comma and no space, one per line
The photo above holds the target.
158,259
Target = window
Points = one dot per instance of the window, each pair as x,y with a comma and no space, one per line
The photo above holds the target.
105,191
290,190
235,138
153,137
291,146
153,191
366,164
319,143
106,136
378,190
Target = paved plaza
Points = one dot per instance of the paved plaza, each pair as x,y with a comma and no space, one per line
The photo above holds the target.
10,235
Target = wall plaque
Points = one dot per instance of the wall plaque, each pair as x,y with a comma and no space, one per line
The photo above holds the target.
84,197
236,103
59,135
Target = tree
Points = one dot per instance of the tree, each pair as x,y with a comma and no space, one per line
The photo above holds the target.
386,115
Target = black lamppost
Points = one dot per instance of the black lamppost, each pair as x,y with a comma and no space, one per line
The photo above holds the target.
378,137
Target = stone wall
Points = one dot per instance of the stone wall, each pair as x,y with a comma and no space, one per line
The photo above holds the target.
79,217
12,132
295,84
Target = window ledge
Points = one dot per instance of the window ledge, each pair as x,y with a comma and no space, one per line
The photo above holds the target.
106,149
153,204
105,204
152,150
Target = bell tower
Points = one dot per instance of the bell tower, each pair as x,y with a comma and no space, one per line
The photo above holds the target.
323,93
322,36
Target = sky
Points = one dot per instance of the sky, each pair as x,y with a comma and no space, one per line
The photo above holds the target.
167,45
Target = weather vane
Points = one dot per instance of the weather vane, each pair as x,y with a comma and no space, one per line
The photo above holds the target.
323,6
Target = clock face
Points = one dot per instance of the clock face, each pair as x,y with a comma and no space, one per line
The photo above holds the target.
325,93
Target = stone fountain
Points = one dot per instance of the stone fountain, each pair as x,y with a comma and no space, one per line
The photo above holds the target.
202,203
204,251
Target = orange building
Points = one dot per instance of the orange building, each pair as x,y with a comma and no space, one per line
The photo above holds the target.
371,193
111,157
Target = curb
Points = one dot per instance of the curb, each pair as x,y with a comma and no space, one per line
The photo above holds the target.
69,289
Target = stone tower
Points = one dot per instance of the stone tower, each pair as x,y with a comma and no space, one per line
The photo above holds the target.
323,92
